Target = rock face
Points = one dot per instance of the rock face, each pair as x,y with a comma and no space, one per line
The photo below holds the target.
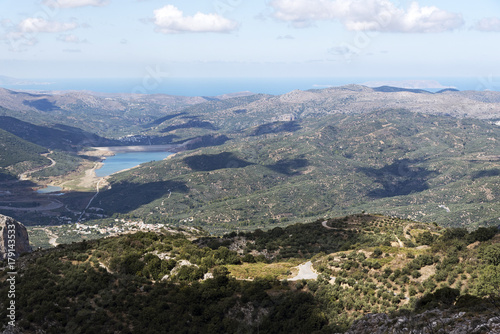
22,244
429,322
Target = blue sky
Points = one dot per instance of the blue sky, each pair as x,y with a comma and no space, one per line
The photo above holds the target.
249,38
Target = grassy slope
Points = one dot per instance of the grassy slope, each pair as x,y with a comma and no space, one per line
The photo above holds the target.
393,162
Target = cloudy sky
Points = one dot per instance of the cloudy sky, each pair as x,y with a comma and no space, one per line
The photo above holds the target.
249,38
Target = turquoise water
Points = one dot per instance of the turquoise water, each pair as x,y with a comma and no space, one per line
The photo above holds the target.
49,189
121,161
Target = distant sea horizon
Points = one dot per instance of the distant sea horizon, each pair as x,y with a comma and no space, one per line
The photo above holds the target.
219,86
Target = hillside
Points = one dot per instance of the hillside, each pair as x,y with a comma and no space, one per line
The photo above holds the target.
18,156
268,160
115,115
429,168
371,270
53,136
112,115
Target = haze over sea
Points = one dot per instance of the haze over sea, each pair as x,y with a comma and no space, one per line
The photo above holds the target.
219,86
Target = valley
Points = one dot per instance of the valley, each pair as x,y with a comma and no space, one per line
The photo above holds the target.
341,210
258,161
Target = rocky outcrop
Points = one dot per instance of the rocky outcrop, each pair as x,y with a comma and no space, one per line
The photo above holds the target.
20,233
429,322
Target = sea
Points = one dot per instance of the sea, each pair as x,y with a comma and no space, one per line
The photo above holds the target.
208,87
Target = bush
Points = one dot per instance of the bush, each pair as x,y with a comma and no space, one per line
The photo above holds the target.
416,274
377,252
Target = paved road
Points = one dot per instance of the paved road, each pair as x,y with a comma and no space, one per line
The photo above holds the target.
326,226
305,272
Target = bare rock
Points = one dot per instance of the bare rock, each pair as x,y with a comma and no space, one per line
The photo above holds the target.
19,241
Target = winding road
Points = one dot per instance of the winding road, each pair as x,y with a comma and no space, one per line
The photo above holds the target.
25,176
326,226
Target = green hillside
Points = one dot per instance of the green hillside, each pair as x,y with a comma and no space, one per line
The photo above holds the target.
429,168
18,156
53,136
181,282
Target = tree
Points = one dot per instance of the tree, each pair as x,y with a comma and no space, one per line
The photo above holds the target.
491,254
489,282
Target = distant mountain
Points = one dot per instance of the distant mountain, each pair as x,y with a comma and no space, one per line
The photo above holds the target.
8,81
389,89
410,84
447,90
54,136
120,115
111,114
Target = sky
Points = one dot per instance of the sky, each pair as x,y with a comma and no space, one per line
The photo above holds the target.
249,38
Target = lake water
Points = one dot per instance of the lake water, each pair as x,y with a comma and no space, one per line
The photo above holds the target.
121,161
49,190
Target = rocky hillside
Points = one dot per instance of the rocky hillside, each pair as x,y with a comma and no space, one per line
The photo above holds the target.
368,274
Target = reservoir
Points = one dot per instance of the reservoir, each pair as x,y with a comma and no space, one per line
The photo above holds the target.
126,160
49,190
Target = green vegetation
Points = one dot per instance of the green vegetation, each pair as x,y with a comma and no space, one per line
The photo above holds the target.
146,282
65,163
423,167
18,156
53,136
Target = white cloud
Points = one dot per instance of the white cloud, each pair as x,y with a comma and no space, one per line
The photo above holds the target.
70,38
170,19
23,35
340,51
286,37
367,15
37,25
74,3
489,24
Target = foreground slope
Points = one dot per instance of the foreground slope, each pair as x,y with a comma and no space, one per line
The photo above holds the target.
188,283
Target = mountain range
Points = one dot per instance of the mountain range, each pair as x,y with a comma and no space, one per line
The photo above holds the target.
343,210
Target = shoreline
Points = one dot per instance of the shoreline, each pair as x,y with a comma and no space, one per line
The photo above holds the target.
106,149
140,148
90,178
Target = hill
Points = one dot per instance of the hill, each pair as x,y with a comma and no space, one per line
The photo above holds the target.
53,136
18,155
430,168
276,159
371,271
117,115
112,115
